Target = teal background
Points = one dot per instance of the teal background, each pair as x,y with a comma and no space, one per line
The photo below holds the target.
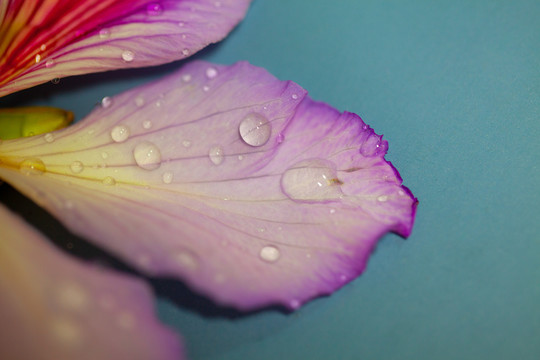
454,86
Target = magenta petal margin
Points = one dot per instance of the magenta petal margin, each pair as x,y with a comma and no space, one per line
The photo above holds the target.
44,40
53,307
225,177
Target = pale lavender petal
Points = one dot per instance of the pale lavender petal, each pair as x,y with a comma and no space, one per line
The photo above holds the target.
54,39
54,307
224,177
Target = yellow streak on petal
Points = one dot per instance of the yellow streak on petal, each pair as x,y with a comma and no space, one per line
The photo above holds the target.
30,121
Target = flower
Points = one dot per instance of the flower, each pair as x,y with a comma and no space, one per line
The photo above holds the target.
225,177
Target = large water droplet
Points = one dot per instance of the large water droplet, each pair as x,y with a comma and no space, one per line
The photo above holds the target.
255,129
32,167
216,155
147,155
128,55
313,180
270,254
120,133
211,72
76,167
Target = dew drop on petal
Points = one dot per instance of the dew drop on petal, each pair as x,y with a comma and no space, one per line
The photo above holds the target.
313,180
128,55
382,198
294,96
181,24
154,9
104,155
269,254
185,52
186,143
216,155
120,133
55,81
32,167
211,72
72,297
295,304
255,129
147,155
206,88
49,63
104,33
186,259
76,167
106,102
49,137
109,181
147,124
280,138
167,177
139,101
186,78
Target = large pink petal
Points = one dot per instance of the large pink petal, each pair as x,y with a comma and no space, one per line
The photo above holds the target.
225,177
43,40
53,307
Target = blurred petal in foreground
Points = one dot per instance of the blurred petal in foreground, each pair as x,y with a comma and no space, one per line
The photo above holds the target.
43,40
54,307
225,177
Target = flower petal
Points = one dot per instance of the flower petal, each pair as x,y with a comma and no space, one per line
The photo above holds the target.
53,307
225,177
54,39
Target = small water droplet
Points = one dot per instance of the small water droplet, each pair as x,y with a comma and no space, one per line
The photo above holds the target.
280,138
106,102
294,96
55,80
294,304
313,180
186,78
72,296
104,155
211,72
128,55
382,198
147,124
76,167
216,155
343,278
181,24
186,259
104,33
147,155
185,52
240,157
43,47
255,129
401,192
160,103
120,133
167,177
270,254
332,211
32,167
186,143
109,181
38,58
49,63
139,101
49,137
206,88
154,9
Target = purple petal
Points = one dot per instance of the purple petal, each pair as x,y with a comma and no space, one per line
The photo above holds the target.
225,177
55,39
53,307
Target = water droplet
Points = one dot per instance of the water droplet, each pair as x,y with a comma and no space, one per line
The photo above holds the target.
343,278
167,177
270,254
211,72
49,137
104,33
313,180
76,167
147,155
32,167
294,304
294,96
332,211
119,133
216,155
186,143
72,297
43,47
181,24
240,157
154,9
382,198
159,103
139,101
106,102
186,78
372,145
109,181
147,124
280,138
185,52
49,63
206,88
55,80
38,58
128,55
401,192
255,129
186,259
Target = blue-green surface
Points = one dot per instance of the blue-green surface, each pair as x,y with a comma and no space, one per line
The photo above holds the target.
455,88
